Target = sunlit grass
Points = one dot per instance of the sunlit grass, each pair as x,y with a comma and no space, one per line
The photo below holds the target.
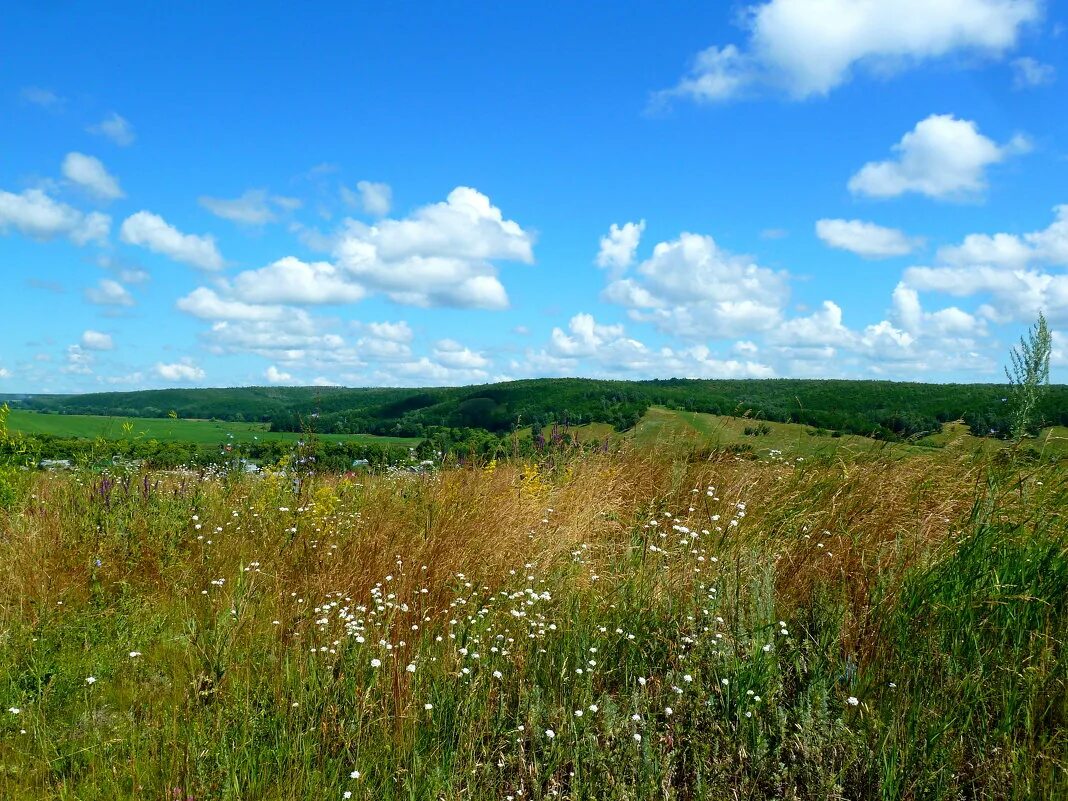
600,626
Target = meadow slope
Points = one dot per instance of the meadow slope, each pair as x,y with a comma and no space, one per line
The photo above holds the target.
620,625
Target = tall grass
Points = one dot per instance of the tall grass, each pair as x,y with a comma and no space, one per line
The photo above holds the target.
610,626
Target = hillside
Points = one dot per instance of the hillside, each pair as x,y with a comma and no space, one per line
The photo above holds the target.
883,409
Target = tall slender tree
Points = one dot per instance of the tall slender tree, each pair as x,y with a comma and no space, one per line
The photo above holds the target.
1029,377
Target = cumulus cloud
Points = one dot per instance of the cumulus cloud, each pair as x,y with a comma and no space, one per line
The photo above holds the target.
374,198
585,336
943,324
276,376
1012,270
399,331
35,214
116,128
90,174
151,231
619,245
912,341
589,347
692,287
1027,73
253,207
426,371
822,327
942,157
1047,246
441,255
97,340
452,354
206,304
295,339
181,371
385,341
109,292
5,373
807,48
290,280
865,238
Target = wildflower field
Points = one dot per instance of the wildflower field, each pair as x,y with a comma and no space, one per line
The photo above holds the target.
624,624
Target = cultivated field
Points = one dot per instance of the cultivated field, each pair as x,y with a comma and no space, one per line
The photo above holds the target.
164,429
610,625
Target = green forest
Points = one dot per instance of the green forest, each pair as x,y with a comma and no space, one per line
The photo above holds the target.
884,410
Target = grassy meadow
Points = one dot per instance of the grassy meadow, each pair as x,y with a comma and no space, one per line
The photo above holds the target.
205,433
635,624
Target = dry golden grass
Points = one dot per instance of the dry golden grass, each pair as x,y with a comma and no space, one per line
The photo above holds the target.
252,685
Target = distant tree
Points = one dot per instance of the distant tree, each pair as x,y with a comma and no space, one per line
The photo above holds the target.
1029,377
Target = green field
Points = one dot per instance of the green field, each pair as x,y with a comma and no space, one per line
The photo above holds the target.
662,427
200,432
659,427
623,625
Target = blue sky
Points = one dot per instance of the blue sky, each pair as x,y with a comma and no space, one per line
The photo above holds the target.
453,193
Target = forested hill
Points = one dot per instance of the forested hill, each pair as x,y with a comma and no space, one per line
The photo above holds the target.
883,409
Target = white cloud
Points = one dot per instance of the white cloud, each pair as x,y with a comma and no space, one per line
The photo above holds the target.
253,207
425,371
821,328
179,371
1028,73
452,354
439,256
1012,269
1018,294
865,238
692,287
1048,246
591,347
385,350
90,174
942,157
116,128
108,292
940,325
807,48
399,331
206,304
153,232
916,341
374,198
585,337
386,341
97,340
79,361
1058,358
999,250
297,339
5,373
290,280
37,215
276,376
619,245
45,98
745,348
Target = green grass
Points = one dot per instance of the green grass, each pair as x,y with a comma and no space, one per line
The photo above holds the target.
662,427
861,627
199,432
